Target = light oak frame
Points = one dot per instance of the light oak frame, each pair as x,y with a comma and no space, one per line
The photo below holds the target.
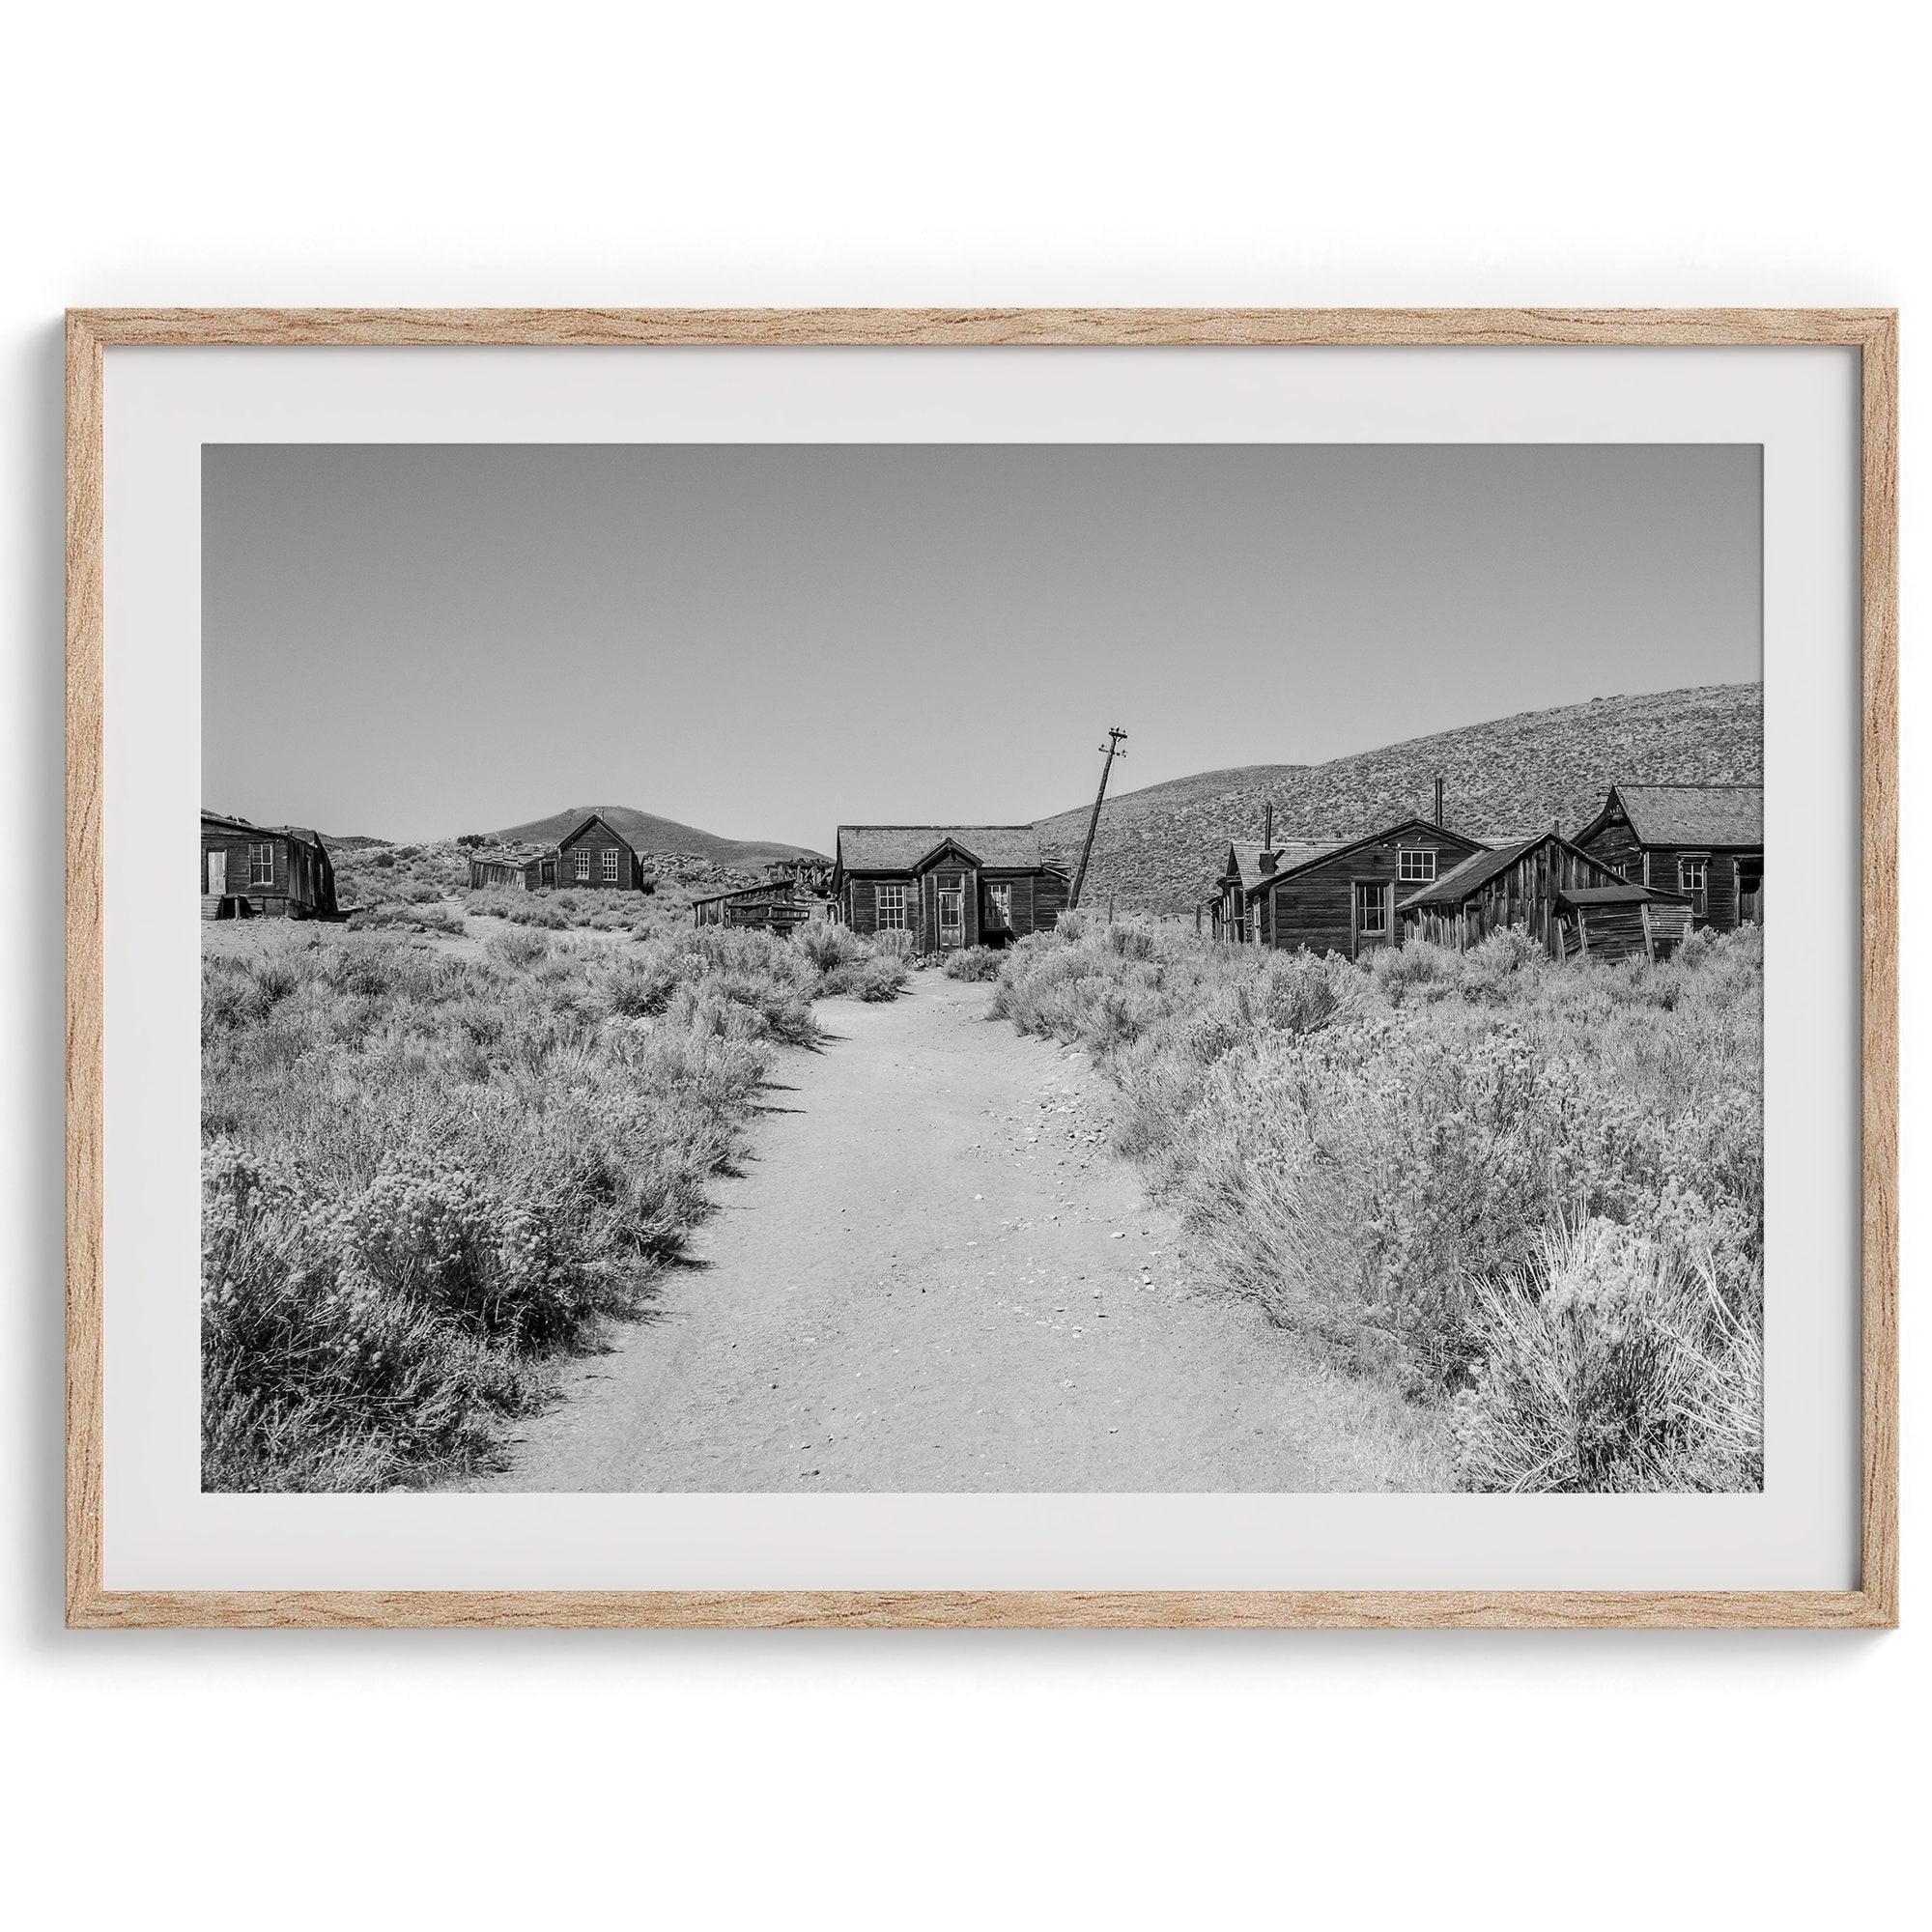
1874,1604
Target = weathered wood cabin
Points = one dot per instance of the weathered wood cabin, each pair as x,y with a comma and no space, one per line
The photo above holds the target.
278,870
1703,841
778,905
949,886
505,871
1332,896
1573,903
593,853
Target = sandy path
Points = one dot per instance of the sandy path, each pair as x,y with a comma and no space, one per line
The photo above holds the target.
931,1276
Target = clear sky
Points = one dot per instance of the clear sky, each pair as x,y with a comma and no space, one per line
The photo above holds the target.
764,642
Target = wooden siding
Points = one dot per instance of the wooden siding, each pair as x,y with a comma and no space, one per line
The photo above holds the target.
1040,898
1617,844
1522,893
595,840
1314,909
301,881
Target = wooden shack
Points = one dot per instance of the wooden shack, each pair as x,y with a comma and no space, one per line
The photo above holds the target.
1334,895
595,853
506,871
1569,901
948,886
274,870
776,905
1703,841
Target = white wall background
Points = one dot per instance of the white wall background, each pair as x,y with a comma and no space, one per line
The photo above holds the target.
1029,154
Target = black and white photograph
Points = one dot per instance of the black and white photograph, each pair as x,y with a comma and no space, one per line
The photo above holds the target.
1082,968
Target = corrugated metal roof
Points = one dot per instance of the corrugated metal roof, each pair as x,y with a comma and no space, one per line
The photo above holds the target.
900,848
1695,814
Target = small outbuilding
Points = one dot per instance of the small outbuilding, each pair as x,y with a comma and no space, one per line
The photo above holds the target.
949,886
505,871
276,870
595,853
777,905
1703,841
1571,902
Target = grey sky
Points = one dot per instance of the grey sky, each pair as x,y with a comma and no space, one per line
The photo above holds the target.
765,641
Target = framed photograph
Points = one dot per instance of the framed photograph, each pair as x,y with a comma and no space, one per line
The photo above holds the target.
1005,968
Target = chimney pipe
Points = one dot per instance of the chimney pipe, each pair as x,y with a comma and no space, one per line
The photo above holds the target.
1268,826
1438,799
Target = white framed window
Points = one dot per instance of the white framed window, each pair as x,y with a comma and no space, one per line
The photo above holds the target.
1693,876
892,908
1000,905
1416,868
582,856
261,864
610,864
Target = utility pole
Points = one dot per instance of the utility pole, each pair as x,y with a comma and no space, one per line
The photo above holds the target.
1112,750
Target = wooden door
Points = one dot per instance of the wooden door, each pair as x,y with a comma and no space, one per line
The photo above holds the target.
217,873
952,913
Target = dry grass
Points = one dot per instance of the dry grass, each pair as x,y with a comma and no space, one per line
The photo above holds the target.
432,1164
1412,1164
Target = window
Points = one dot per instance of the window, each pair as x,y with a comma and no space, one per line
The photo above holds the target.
609,862
1416,868
1693,876
261,864
999,905
582,856
890,902
1370,907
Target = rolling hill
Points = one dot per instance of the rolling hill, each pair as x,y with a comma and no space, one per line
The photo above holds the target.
653,834
1157,848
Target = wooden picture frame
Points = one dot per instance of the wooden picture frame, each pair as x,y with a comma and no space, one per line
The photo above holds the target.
1871,332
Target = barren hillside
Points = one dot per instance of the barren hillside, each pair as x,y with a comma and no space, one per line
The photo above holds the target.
1157,848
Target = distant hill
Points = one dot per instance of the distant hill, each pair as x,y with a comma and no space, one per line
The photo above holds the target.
650,833
1157,848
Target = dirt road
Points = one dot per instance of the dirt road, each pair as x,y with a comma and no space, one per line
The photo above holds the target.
933,1275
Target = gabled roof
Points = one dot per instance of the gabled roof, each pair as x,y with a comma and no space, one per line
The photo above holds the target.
227,822
1244,857
1473,874
589,819
1322,850
1688,814
904,848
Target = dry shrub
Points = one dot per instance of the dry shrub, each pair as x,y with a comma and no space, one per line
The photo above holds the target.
1613,1366
973,962
1370,1151
427,1171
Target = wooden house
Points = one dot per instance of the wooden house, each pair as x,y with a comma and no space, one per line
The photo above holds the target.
1333,895
595,853
1703,841
280,870
949,886
505,871
1571,902
777,905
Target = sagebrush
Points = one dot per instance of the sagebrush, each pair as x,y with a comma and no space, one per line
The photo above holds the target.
429,1167
1528,1193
